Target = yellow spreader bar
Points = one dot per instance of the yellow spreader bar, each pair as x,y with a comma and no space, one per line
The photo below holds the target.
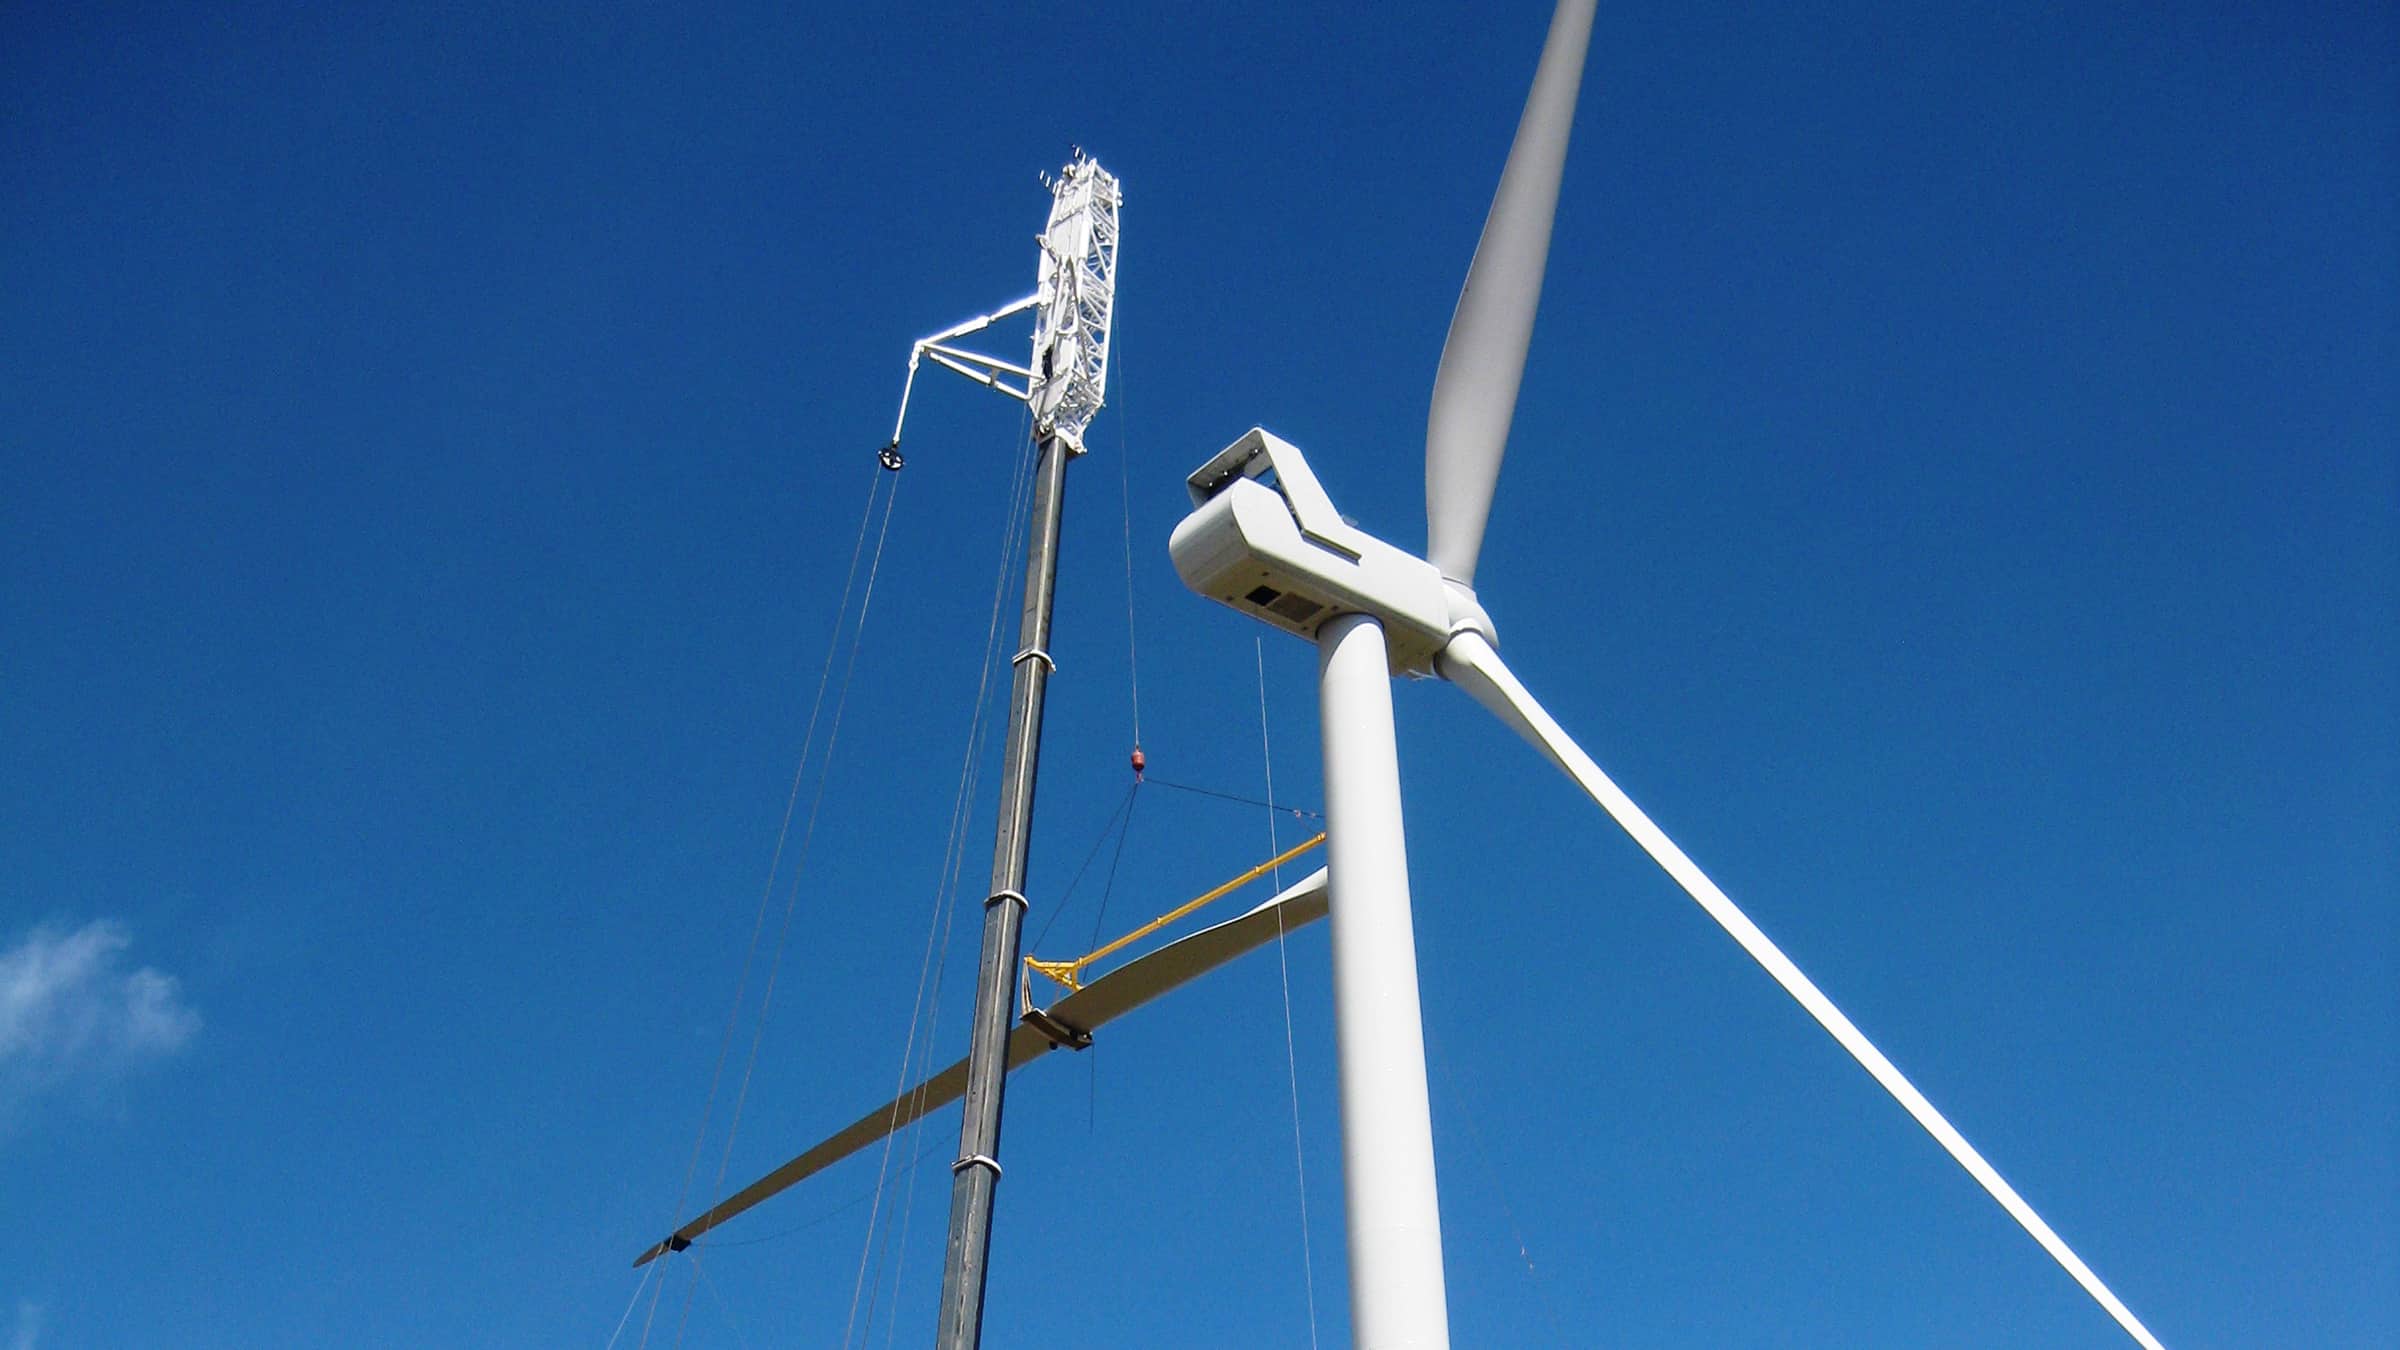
1070,973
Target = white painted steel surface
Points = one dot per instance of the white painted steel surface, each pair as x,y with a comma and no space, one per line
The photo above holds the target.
1471,664
1397,1300
1284,555
1475,389
1077,285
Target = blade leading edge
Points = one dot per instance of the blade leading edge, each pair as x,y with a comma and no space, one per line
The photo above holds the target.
1111,996
1471,664
1483,359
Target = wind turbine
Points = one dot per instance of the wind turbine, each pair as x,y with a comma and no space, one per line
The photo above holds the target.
1265,538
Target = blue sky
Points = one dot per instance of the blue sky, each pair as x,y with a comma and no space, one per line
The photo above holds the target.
1954,492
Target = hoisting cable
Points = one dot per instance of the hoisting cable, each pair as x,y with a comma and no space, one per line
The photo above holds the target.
726,1312
1018,520
1108,884
808,833
767,892
871,1253
1070,973
1011,565
925,1008
1108,887
630,1304
1283,965
1133,685
1266,753
1085,866
1133,678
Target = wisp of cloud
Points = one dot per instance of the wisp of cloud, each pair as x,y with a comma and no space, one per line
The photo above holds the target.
70,1011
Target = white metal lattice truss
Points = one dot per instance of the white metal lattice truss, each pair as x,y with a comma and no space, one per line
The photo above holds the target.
1075,290
1077,286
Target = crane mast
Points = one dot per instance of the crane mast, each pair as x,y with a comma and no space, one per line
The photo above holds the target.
1065,385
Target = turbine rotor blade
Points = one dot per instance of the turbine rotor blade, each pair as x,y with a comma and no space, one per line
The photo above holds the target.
1105,999
1483,359
1470,663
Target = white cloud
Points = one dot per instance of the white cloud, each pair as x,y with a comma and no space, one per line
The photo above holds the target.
29,1325
70,1010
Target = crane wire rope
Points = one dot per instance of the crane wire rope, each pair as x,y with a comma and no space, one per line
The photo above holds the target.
1093,852
1133,686
1291,1059
1012,556
1013,559
1301,812
1133,677
872,1254
630,1305
808,834
926,1003
1011,565
723,1309
1466,1114
1108,884
767,891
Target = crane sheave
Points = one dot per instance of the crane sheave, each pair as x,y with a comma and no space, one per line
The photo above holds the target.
1473,665
1483,359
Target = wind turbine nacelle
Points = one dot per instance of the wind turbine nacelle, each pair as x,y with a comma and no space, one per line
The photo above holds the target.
1266,540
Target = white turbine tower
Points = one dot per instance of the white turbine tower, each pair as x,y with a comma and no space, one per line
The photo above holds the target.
1266,539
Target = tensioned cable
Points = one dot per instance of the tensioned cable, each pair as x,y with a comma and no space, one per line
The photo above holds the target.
1094,852
1108,884
1012,562
1466,1113
1091,1057
1266,759
808,834
1133,678
1291,1058
922,1154
925,1007
629,1306
722,1309
767,892
1237,797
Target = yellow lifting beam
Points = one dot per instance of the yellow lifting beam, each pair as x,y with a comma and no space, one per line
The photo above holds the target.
1070,973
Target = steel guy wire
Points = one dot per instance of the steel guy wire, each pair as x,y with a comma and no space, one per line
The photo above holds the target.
808,834
767,892
1283,965
1014,523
